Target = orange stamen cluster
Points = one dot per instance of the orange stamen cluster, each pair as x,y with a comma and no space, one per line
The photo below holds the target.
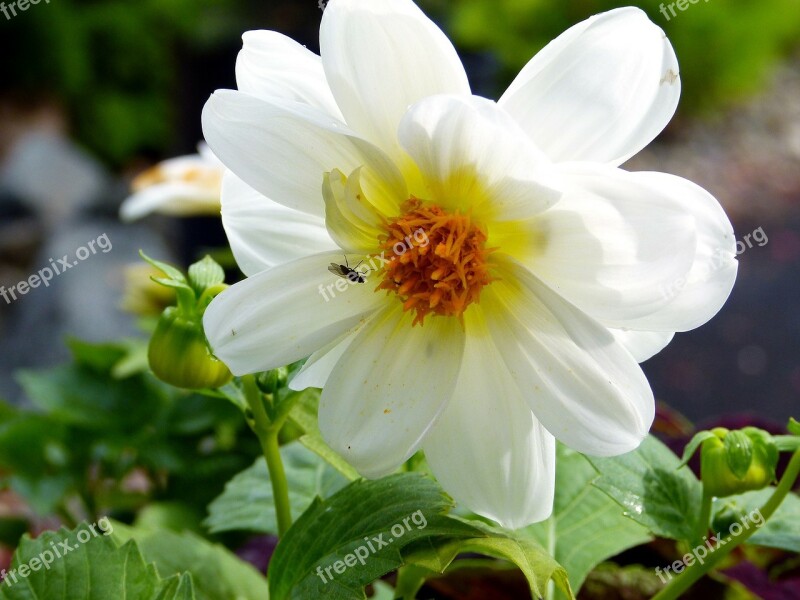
436,260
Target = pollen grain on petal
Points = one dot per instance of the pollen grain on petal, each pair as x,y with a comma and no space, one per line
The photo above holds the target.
438,261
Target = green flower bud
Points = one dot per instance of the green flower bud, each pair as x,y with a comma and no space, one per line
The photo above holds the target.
179,354
732,462
271,381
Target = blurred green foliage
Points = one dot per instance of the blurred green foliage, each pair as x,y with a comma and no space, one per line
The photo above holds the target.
99,440
119,67
725,47
113,64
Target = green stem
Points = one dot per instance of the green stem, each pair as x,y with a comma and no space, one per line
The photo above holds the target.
280,486
267,433
705,517
685,580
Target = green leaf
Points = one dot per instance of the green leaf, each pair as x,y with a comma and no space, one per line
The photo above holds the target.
781,531
247,503
425,558
204,274
177,588
96,567
45,442
429,557
739,451
229,392
304,415
215,571
587,526
172,515
794,426
383,591
135,360
80,396
536,564
7,411
39,473
653,489
375,519
318,446
44,493
100,357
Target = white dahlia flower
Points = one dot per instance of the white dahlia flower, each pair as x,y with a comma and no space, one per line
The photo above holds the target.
512,275
181,186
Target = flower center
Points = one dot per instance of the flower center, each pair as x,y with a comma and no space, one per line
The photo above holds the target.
438,260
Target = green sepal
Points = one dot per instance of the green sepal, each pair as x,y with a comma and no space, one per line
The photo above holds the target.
168,270
693,445
271,381
739,452
205,274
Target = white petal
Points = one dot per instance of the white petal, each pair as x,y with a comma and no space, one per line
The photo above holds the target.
263,233
698,296
381,56
389,388
599,92
488,450
473,155
643,344
273,65
201,167
319,366
171,198
283,149
285,313
612,243
583,386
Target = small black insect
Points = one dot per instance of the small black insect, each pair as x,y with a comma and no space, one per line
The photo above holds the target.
345,272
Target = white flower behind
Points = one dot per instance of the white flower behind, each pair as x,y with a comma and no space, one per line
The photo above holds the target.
181,186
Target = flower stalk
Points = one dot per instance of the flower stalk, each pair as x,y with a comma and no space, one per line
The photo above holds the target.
267,432
675,588
705,516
